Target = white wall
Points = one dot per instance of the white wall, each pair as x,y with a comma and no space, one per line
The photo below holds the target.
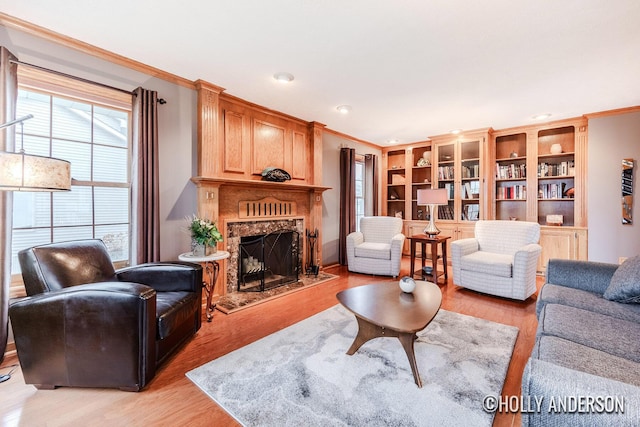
611,139
177,125
331,144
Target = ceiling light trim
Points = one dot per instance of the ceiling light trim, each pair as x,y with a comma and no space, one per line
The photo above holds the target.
542,116
283,77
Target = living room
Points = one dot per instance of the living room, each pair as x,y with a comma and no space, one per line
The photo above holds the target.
613,132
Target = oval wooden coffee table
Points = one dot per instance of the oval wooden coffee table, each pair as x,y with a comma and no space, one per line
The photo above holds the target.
383,310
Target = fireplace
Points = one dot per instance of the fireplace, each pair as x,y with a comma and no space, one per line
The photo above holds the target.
267,261
244,239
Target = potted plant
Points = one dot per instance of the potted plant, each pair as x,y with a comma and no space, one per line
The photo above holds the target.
204,236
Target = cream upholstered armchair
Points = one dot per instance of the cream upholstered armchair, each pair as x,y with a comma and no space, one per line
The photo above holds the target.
377,247
501,260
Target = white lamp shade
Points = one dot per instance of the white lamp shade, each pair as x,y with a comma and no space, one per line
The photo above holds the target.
23,172
433,197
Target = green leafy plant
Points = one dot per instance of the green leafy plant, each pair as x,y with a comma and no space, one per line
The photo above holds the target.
204,231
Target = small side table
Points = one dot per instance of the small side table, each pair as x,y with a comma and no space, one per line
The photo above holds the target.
423,239
212,267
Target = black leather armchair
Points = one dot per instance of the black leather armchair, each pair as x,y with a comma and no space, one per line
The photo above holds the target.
83,324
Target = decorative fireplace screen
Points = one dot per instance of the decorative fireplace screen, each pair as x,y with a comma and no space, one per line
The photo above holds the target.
268,261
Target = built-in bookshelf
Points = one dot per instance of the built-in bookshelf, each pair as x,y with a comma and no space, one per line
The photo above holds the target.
511,176
396,180
408,169
421,176
556,176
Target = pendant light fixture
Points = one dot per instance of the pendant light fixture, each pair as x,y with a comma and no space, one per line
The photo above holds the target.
24,172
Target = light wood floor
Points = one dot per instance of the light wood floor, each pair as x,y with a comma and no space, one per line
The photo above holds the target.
172,400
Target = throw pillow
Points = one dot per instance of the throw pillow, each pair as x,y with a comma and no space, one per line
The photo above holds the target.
625,282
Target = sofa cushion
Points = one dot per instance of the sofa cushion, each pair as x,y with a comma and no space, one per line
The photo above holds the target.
373,250
173,309
489,263
555,294
625,284
586,359
605,333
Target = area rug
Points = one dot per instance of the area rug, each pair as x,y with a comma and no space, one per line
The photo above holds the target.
301,376
239,300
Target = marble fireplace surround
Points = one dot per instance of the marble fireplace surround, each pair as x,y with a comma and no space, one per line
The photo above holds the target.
237,229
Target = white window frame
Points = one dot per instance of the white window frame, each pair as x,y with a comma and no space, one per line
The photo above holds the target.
57,86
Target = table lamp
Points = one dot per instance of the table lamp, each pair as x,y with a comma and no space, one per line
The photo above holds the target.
431,198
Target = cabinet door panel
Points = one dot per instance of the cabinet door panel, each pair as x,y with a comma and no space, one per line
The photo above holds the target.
268,146
556,244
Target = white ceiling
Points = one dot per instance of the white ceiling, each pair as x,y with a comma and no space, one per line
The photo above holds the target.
409,68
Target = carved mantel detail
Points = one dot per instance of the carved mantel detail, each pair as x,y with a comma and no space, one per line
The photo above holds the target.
268,207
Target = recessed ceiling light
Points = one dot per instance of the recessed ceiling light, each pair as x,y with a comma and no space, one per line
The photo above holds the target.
392,141
456,131
344,109
541,116
283,77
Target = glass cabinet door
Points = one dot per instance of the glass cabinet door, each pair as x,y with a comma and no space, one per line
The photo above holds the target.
470,193
446,156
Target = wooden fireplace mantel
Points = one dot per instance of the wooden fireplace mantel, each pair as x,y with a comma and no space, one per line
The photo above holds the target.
237,140
266,185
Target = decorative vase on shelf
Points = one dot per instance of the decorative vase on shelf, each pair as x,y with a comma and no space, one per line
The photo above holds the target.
556,149
427,158
198,249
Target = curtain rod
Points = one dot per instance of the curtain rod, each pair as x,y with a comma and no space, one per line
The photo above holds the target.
161,101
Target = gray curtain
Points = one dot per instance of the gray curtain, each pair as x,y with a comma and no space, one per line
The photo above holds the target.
8,98
371,184
347,200
146,188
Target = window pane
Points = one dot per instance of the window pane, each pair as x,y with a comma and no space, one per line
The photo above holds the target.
79,154
359,189
96,141
23,239
73,207
35,145
112,205
110,164
110,127
71,120
64,234
40,106
116,238
31,209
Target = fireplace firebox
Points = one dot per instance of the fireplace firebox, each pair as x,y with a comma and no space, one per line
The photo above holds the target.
268,261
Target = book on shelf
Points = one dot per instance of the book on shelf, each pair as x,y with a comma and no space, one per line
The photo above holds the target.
511,171
551,191
445,212
471,212
472,171
450,189
446,172
466,191
513,192
566,168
